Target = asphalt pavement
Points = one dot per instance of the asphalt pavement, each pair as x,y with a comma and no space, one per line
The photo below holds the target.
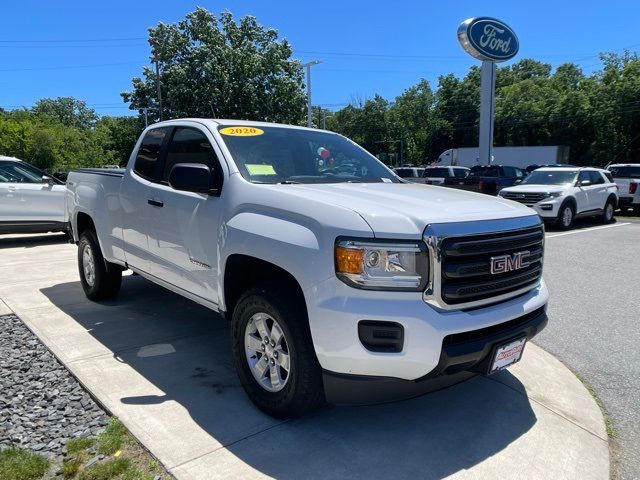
592,273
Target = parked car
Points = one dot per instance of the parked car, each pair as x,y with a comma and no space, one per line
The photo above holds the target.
346,287
487,179
531,168
412,174
30,200
562,194
626,176
438,175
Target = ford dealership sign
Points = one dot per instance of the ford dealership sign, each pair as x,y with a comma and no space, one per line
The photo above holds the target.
486,38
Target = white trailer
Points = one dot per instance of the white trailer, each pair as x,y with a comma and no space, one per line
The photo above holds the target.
513,156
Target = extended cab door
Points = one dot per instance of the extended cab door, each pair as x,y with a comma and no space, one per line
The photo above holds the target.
185,226
135,196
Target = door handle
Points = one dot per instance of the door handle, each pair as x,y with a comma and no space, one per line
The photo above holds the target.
155,203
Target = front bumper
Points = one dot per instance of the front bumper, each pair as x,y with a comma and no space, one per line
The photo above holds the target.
335,310
462,356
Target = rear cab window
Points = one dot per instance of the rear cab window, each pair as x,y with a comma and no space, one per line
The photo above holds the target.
625,171
438,172
146,163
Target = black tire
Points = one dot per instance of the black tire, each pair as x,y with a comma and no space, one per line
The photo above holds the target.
608,212
564,220
303,390
107,277
636,210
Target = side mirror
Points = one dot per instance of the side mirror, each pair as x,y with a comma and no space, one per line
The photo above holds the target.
585,183
192,177
48,180
517,182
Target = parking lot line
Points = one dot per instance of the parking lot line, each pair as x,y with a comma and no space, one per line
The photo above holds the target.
588,230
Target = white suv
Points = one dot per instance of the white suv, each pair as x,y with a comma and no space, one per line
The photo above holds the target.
30,200
562,194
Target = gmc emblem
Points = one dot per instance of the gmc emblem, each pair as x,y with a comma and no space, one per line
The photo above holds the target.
509,263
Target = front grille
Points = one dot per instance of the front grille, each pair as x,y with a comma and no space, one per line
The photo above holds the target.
466,264
528,198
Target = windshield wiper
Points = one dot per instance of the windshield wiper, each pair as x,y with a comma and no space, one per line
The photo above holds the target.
289,182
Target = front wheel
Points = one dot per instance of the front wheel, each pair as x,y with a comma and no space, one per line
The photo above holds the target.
274,355
607,213
100,279
565,218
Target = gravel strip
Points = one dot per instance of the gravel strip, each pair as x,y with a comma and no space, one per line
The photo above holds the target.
41,405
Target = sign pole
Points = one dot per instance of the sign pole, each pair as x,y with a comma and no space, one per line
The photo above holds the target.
487,102
491,41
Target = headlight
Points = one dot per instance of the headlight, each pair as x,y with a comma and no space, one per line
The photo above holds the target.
379,265
554,194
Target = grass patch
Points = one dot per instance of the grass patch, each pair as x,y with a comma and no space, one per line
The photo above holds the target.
77,445
19,464
608,422
113,438
115,467
70,466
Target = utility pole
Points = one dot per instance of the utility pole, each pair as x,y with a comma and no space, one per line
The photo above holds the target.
308,66
158,88
146,116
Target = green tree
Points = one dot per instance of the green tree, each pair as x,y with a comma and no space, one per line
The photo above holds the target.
215,67
120,136
68,111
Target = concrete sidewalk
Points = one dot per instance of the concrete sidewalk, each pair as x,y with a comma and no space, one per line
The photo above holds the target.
162,364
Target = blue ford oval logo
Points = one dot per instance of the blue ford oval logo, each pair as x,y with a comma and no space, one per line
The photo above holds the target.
487,38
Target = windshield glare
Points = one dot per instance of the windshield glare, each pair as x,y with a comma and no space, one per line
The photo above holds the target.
290,155
547,177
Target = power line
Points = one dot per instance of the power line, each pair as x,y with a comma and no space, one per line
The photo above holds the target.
71,40
68,67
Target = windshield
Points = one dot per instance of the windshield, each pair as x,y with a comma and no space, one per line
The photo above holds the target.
436,172
292,155
488,171
625,172
18,172
405,172
550,177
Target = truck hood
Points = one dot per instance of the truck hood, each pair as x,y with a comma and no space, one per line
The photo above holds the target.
403,210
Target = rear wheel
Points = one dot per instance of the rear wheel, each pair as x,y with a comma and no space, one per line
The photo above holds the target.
273,353
100,279
565,217
607,213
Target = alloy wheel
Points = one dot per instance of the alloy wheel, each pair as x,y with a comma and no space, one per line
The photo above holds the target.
88,266
267,352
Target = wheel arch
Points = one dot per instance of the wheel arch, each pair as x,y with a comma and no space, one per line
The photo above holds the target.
242,272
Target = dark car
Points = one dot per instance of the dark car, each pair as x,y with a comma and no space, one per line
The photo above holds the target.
489,179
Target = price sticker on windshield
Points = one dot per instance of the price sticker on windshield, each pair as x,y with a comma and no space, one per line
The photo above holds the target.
241,131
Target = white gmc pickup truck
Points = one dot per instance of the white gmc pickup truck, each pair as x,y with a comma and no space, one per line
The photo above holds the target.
342,282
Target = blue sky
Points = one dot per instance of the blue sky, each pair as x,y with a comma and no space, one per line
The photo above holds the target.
366,47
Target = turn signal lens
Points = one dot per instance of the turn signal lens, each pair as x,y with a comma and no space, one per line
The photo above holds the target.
633,187
349,260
